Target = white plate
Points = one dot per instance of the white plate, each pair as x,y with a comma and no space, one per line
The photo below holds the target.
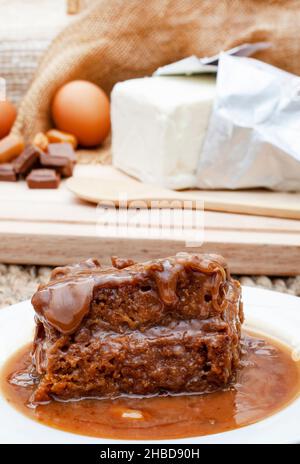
274,314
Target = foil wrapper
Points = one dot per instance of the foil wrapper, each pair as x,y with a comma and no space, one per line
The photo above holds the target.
253,136
252,139
193,65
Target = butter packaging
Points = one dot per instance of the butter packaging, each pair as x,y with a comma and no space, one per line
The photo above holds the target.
192,130
252,139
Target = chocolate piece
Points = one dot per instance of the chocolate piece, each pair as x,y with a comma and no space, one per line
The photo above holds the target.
43,179
27,159
169,325
62,150
7,172
10,147
62,165
53,161
67,170
60,156
57,136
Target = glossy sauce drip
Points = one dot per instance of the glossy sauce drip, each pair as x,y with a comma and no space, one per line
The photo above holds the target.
166,281
65,301
267,382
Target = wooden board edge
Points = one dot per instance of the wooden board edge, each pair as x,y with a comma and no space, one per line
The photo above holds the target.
248,258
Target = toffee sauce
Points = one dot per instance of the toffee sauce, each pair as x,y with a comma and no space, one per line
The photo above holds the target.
267,381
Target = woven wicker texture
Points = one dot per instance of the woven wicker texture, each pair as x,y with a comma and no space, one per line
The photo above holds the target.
76,6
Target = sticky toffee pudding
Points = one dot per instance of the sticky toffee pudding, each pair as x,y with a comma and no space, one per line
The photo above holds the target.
147,351
267,381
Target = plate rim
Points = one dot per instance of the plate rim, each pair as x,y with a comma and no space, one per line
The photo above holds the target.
40,433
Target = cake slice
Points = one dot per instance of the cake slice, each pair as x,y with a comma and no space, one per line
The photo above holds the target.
171,325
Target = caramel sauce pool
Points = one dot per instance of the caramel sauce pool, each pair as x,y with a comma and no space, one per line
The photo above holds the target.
268,381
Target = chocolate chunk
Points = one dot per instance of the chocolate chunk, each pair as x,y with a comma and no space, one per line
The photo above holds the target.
53,161
62,165
7,172
67,170
27,159
62,150
43,179
60,156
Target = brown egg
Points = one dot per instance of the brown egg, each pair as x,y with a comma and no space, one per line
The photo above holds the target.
8,115
82,109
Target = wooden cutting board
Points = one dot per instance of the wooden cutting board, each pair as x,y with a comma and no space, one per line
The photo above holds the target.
109,182
54,227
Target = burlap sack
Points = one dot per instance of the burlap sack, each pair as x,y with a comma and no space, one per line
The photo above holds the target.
113,40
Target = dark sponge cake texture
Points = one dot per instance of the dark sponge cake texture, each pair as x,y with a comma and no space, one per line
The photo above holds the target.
165,326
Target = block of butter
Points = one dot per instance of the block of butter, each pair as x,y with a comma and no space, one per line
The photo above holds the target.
158,127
